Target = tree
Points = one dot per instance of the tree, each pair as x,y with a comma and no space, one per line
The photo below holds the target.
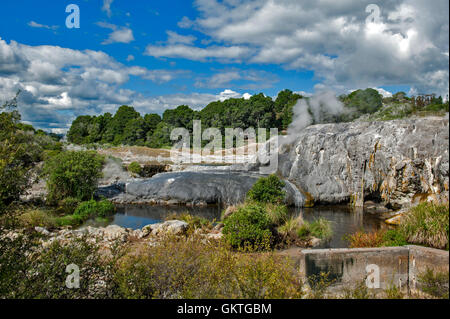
19,152
72,174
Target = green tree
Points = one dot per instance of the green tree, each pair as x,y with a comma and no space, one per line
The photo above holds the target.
72,174
19,152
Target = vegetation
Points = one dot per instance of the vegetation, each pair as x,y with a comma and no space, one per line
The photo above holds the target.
267,190
72,174
178,268
434,284
86,210
248,226
320,228
426,224
135,168
21,148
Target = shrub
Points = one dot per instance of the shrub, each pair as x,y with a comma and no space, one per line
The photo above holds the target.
86,210
267,190
93,208
427,224
434,284
135,168
189,268
27,270
72,174
249,225
361,239
394,238
37,217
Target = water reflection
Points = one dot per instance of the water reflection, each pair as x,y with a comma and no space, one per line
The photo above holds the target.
343,219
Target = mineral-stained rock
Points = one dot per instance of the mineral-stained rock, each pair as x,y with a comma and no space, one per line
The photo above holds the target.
394,161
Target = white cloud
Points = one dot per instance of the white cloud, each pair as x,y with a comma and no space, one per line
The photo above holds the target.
245,79
59,84
119,34
383,92
409,46
130,58
107,7
34,24
174,37
232,53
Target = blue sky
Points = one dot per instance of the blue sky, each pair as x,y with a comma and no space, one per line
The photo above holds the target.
156,55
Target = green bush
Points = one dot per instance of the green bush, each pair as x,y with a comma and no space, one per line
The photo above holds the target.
267,190
72,174
92,208
248,226
86,210
135,168
394,238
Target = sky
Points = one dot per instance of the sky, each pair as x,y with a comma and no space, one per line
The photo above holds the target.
156,55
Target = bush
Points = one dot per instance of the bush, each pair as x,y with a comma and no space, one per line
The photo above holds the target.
394,238
248,226
86,210
37,217
92,208
29,271
188,268
361,239
194,222
135,168
72,174
267,190
427,224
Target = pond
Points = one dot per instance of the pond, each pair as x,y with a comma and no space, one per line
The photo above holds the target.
343,219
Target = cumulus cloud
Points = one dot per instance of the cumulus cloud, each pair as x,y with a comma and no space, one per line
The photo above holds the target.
119,34
59,84
408,46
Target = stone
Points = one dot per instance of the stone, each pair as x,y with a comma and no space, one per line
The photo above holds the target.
42,230
396,220
174,227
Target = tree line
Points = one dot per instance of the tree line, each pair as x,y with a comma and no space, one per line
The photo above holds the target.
128,127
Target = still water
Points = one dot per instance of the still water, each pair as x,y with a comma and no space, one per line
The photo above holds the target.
343,219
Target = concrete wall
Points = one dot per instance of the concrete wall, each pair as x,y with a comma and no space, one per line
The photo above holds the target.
380,268
421,259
